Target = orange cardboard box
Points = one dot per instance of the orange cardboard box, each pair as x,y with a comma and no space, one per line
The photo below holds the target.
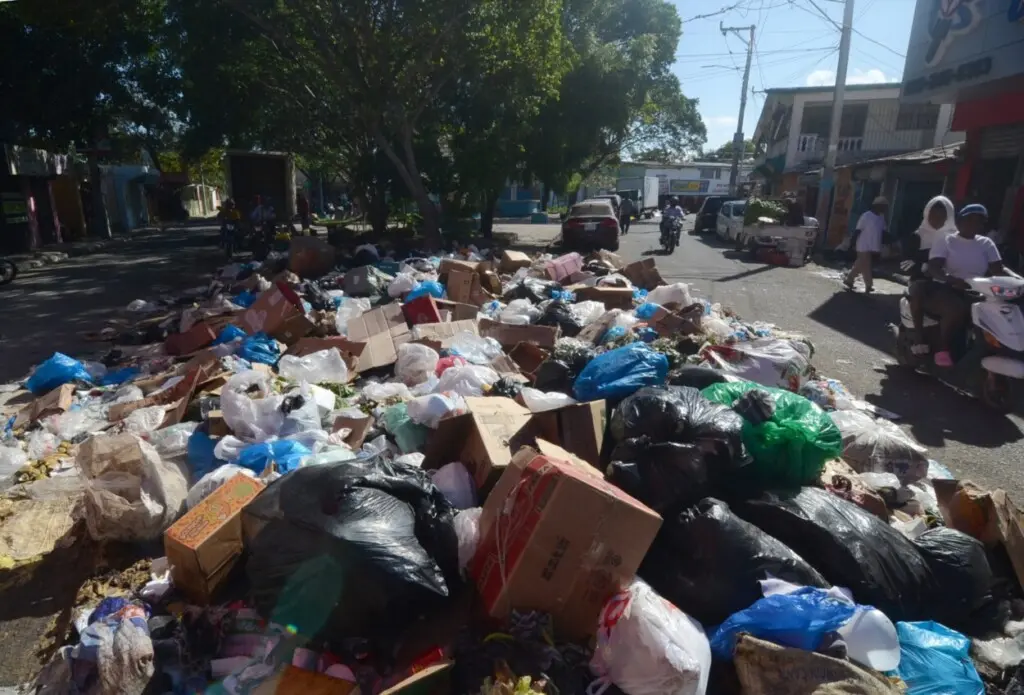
203,546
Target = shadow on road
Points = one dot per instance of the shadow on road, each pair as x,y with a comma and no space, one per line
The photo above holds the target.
864,318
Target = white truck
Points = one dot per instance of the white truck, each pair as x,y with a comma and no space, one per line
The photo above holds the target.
643,191
795,242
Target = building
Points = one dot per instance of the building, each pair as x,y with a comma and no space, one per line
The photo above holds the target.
688,181
792,133
971,53
28,215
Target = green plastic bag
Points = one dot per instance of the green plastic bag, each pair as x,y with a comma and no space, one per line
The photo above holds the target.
409,436
791,448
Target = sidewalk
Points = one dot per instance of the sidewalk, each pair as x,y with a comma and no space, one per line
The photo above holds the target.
886,270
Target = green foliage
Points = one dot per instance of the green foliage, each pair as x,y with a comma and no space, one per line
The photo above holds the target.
763,207
724,153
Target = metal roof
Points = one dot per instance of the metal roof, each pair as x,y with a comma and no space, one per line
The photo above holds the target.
932,155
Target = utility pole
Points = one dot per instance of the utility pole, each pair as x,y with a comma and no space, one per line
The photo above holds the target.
829,171
737,138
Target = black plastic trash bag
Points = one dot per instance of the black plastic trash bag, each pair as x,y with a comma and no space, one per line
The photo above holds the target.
851,548
557,313
354,549
961,568
663,475
695,377
534,289
575,353
708,561
554,375
681,414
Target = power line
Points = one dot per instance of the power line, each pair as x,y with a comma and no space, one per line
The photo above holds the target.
703,56
878,43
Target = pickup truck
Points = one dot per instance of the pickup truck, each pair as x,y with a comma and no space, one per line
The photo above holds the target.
796,242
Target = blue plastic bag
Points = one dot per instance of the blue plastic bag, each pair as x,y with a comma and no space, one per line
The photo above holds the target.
431,287
201,458
259,348
800,619
57,371
228,333
613,333
620,372
286,454
244,299
647,310
934,660
119,376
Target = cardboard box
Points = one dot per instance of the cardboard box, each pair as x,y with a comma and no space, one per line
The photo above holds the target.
491,282
611,297
509,335
270,310
459,312
358,426
482,439
686,322
205,544
349,349
644,274
177,395
562,267
528,357
462,285
568,542
52,403
292,680
423,309
310,256
511,261
450,264
442,335
578,428
199,336
383,330
216,424
293,329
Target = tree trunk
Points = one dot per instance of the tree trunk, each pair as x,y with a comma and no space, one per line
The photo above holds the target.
410,176
487,214
545,194
377,210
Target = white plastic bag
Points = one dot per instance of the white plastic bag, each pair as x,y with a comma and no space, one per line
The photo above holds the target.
647,646
11,461
456,483
467,381
304,419
539,401
416,363
679,293
380,392
350,308
145,420
213,480
520,312
130,492
778,362
402,284
430,409
172,442
229,448
252,419
467,528
323,367
587,312
879,446
72,423
413,459
476,349
41,444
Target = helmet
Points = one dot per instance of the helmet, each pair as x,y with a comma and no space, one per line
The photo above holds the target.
973,209
673,201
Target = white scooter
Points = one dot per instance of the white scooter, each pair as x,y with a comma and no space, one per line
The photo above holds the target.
990,362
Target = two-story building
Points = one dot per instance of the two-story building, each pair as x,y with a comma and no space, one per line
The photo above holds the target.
792,137
690,182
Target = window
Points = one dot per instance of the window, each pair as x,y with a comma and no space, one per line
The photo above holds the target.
817,119
711,173
917,117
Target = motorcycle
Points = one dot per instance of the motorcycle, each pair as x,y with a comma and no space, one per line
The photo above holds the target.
8,271
671,230
989,359
229,237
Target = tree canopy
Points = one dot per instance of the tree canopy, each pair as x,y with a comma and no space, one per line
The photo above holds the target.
724,153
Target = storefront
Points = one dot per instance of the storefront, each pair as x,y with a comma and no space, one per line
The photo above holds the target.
28,217
972,52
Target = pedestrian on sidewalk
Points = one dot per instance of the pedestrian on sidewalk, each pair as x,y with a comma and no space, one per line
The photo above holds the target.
870,231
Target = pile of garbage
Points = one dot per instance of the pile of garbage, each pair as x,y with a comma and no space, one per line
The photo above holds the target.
494,473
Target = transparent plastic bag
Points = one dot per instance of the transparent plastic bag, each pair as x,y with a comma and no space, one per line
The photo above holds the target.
455,481
429,410
349,308
467,528
11,461
879,446
302,414
73,423
381,392
539,402
213,480
145,420
476,349
647,646
520,312
402,284
467,381
587,312
323,367
41,444
679,293
251,418
416,363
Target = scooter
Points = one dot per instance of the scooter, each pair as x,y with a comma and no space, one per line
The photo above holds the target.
989,362
671,230
8,271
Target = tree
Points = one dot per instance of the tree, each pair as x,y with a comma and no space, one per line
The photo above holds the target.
724,153
654,154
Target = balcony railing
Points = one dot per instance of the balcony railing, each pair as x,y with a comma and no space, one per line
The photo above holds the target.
812,145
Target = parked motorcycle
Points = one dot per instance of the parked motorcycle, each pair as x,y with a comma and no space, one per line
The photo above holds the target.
8,271
989,359
671,230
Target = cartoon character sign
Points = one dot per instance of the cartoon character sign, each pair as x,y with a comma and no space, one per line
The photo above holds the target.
951,18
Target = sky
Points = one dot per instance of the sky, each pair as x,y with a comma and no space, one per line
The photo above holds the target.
795,46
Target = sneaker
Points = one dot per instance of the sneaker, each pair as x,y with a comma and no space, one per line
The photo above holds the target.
943,359
920,349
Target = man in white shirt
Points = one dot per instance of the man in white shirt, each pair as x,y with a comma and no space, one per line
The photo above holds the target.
870,230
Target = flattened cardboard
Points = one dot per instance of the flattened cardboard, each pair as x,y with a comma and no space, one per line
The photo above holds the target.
271,309
199,336
204,545
358,426
685,322
292,680
310,256
578,428
459,312
482,439
442,335
423,309
293,329
462,285
307,346
528,357
611,297
511,261
216,424
644,274
569,541
52,403
509,336
181,391
383,330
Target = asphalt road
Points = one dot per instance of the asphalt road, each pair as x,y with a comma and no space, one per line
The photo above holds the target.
853,343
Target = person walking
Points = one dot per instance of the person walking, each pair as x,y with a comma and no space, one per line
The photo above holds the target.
625,214
870,232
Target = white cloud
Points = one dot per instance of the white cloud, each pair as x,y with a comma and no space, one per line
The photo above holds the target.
721,121
824,78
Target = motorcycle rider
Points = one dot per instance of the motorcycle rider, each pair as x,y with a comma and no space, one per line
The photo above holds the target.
228,213
263,218
954,259
672,211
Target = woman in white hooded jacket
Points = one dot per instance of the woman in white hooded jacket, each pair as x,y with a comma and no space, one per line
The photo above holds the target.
939,221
